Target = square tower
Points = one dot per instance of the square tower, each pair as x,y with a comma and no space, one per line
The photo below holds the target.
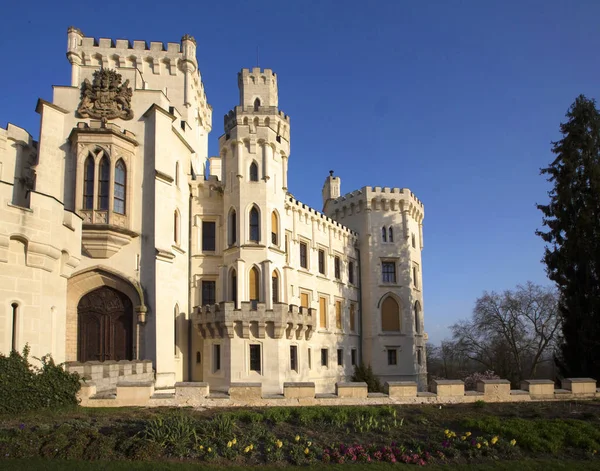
258,88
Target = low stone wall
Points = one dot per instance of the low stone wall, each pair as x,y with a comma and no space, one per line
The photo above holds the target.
294,394
105,375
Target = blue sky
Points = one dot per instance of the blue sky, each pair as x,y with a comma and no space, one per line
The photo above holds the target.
458,101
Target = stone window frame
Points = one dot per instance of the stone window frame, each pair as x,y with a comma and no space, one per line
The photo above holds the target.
114,153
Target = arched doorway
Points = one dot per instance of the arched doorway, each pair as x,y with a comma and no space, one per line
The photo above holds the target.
105,326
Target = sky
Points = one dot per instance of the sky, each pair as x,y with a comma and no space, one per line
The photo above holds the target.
457,100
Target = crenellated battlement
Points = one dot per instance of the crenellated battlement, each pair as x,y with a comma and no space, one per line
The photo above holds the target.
241,115
311,212
382,199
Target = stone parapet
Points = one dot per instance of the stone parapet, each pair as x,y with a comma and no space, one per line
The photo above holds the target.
245,391
400,389
191,394
106,375
448,387
134,394
353,390
579,385
538,387
299,390
494,388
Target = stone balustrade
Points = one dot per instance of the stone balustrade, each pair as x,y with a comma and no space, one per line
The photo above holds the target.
294,394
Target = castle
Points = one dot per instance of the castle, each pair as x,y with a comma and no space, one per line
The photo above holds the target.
121,241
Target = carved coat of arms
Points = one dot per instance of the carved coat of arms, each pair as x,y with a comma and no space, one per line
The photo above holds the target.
105,97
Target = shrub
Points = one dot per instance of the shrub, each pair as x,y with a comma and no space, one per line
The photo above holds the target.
364,374
24,387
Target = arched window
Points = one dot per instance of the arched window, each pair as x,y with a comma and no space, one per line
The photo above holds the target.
274,228
256,104
233,282
120,182
254,225
88,183
175,333
232,227
384,234
176,173
391,234
417,317
15,326
275,286
103,183
254,287
253,172
390,315
176,226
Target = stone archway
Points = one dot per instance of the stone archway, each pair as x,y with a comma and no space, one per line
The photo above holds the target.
105,296
104,326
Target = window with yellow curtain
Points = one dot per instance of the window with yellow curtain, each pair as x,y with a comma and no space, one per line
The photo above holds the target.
338,314
274,228
390,315
304,303
323,313
254,285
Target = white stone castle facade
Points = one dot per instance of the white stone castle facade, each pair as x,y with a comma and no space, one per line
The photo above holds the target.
117,243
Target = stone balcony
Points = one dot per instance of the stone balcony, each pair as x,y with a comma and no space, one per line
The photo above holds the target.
223,320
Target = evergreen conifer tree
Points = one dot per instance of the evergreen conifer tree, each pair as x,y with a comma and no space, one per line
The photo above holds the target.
572,253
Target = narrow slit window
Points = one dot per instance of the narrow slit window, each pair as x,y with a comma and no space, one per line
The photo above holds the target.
88,184
120,182
103,184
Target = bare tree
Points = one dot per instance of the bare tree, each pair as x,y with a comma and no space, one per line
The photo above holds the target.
513,332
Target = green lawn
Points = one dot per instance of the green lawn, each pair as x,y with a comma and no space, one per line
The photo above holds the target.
521,465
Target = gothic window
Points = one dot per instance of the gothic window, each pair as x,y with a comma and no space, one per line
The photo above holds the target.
254,287
392,355
254,225
88,183
390,315
119,195
175,333
294,358
384,234
256,104
176,227
417,317
103,183
253,172
391,234
274,228
321,261
351,272
15,326
209,292
233,286
352,317
232,227
255,360
337,268
177,173
275,287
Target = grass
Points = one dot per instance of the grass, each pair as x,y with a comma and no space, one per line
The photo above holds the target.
153,438
520,465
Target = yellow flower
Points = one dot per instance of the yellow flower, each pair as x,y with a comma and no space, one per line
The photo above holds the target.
247,449
513,442
468,434
251,447
306,451
202,447
447,432
209,449
479,445
485,442
494,440
234,441
229,444
463,438
279,443
308,443
297,438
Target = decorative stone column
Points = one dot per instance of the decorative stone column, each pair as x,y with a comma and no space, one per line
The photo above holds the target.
284,169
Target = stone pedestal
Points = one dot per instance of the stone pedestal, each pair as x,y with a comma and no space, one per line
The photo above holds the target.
498,389
538,387
245,391
401,389
579,385
299,390
448,387
355,390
